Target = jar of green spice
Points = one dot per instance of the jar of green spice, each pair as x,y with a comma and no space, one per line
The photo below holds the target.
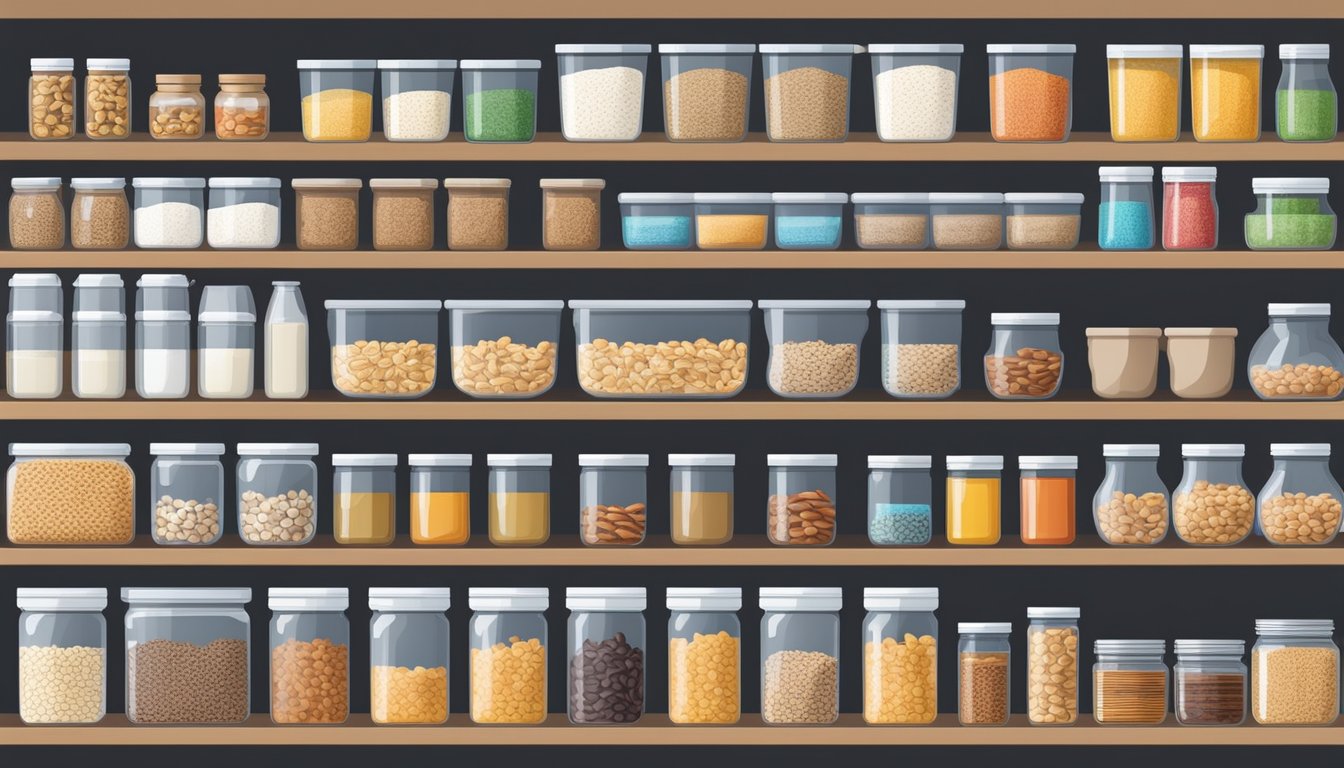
501,99
1307,106
1290,214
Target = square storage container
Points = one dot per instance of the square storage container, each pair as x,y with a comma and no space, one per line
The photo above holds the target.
100,218
966,221
1291,214
62,655
417,98
244,213
1030,91
801,508
1225,91
500,99
440,498
1123,361
403,214
732,221
169,212
809,220
706,90
657,221
326,214
520,499
701,498
1145,88
186,482
1295,672
613,498
36,214
571,214
814,345
337,98
309,624
921,347
974,499
364,498
602,90
383,348
1043,221
478,214
807,89
895,221
94,480
1202,361
915,90
504,348
277,477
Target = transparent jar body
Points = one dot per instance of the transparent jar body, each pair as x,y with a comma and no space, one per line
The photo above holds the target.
1290,222
242,112
107,104
1294,680
921,352
417,103
1225,98
377,334
187,492
960,226
900,668
285,368
974,499
1212,506
326,217
800,665
900,507
403,218
571,218
1129,689
704,675
1053,649
732,226
62,667
915,95
1300,504
364,505
1031,96
807,95
299,641
269,484
1210,689
101,490
1296,358
187,663
503,335
478,218
169,217
337,104
613,505
37,219
225,360
1043,226
51,103
508,667
1125,217
1024,352
814,353
177,112
408,667
658,226
1306,105
500,105
607,653
602,95
984,678
801,509
440,505
706,96
1145,95
1132,506
98,352
1048,506
243,217
1189,215
163,358
891,226
34,358
702,505
520,506
100,220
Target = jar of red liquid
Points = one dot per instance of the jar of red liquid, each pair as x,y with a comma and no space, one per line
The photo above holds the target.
1189,209
1047,493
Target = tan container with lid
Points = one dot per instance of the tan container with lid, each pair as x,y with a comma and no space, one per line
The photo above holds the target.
403,214
242,108
478,214
571,214
326,214
1123,361
177,107
1202,361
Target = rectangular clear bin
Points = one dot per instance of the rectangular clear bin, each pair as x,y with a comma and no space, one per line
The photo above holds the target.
34,355
169,212
701,498
1031,91
417,98
403,214
814,346
602,90
662,348
809,220
807,90
706,90
732,221
571,214
337,99
383,349
244,213
966,221
277,493
504,348
895,221
1145,89
92,482
657,221
478,214
500,102
921,347
915,90
613,498
1225,91
326,214
1043,221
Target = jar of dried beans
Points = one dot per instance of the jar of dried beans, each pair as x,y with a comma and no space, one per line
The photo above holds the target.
1295,672
1189,209
607,654
1301,502
801,507
1053,650
177,108
1024,360
277,487
1210,682
800,655
1212,505
310,650
1132,505
613,498
900,655
242,108
1296,358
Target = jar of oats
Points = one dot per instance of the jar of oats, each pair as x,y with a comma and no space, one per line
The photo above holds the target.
51,99
1295,672
100,216
36,214
71,493
107,99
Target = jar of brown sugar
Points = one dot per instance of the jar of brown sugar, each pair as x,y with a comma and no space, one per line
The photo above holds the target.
177,108
36,214
403,214
100,217
478,214
242,108
571,214
326,213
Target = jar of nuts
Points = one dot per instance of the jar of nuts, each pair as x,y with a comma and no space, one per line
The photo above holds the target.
613,497
1212,505
1301,502
177,108
1132,506
242,108
1053,650
51,99
504,348
277,493
186,482
107,99
310,652
801,507
1024,360
1296,358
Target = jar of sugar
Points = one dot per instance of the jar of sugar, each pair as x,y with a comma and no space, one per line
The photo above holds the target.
169,212
244,212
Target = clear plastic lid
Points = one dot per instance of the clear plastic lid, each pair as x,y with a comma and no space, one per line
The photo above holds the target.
1299,449
728,599
186,449
660,305
1131,450
466,183
702,460
815,304
383,305
900,598
243,182
505,304
1308,627
107,65
505,599
591,48
1144,51
415,599
1210,647
35,316
925,304
707,48
500,64
61,599
1125,173
985,628
167,182
308,598
900,462
1047,462
1213,450
1043,198
439,460
51,65
965,198
1304,51
162,281
337,63
656,198
916,48
162,316
94,317
35,184
802,459
518,459
1291,185
96,183
1299,310
277,449
99,280
746,198
1190,173
186,595
971,463
1024,318
403,184
796,48
830,198
113,450
621,599
1227,51
613,459
1130,647
363,459
417,63
1037,612
1031,48
889,198
801,598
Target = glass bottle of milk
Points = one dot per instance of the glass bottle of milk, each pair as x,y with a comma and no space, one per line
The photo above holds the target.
286,361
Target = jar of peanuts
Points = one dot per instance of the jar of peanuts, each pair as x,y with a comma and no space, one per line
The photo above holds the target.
177,108
1024,360
277,493
242,108
1301,502
1212,504
900,655
107,99
1053,650
51,99
1296,358
613,498
704,656
62,655
310,649
1132,506
801,507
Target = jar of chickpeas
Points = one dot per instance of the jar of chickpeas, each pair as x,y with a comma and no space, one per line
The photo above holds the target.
51,99
107,99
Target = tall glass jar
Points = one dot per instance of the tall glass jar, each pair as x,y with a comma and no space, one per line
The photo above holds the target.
51,99
607,653
242,108
613,498
1189,208
1295,672
36,214
1210,682
286,363
98,349
177,107
162,354
1225,91
440,498
800,655
1129,682
1301,502
1212,504
974,499
984,673
1025,347
702,498
310,649
186,482
277,478
900,500
408,655
508,654
107,98
900,655
100,216
62,655
1126,211
801,507
520,498
1296,358
1306,106
226,343
364,498
1053,651
704,655
1132,506
1048,494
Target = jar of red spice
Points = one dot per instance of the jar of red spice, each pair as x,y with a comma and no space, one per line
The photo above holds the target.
1189,209
1048,498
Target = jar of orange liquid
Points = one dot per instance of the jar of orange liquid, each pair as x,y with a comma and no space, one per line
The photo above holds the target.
974,495
440,498
1047,494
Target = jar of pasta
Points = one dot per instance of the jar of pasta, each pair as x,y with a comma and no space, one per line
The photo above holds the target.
1129,682
408,655
94,481
310,650
1295,672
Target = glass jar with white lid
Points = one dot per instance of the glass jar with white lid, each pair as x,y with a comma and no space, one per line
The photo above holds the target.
226,342
701,498
520,498
408,655
1025,345
900,655
1296,358
1125,214
602,90
1300,504
613,498
100,217
915,90
51,98
36,214
96,474
62,655
704,656
277,492
440,498
162,354
608,651
169,212
801,508
309,624
508,640
244,212
984,673
800,655
1054,649
186,483
1212,506
900,499
1131,506
417,98
1291,214
364,498
1210,682
1306,105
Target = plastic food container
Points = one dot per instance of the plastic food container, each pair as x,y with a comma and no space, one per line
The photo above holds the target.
1030,91
100,219
608,650
1129,682
337,99
440,498
814,345
280,477
1043,221
326,214
36,214
107,98
1210,682
706,90
984,679
966,221
364,498
403,214
417,98
95,482
801,507
800,655
162,293
1225,91
226,342
308,624
478,214
383,349
1300,504
1025,346
1212,505
1125,216
1306,105
732,221
186,484
520,499
162,354
701,498
900,500
98,349
1295,672
1047,492
408,655
102,292
1123,361
1189,209
1291,214
1131,507
613,498
921,347
1145,88
1202,361
974,499
504,348
897,221
704,652
602,90
169,212
915,90
900,655
62,655
640,338
571,214
501,99
244,213
242,108
188,655
1296,358
807,90
657,221
34,354
508,654
177,108
809,220
51,99
1053,650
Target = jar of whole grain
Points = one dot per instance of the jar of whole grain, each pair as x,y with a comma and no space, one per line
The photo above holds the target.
800,655
177,108
107,99
508,654
478,214
921,347
71,494
571,214
36,214
310,650
1212,506
1053,651
984,672
1210,682
242,108
403,214
100,216
62,655
1301,502
801,507
704,655
51,99
900,655
1295,672
408,655
326,214
1132,506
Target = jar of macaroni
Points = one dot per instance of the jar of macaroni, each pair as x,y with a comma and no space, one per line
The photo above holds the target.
613,498
440,498
607,654
1295,672
186,485
107,98
900,500
408,655
1047,498
1129,682
310,650
800,655
62,655
1210,681
1053,651
702,498
1212,505
974,496
242,108
508,654
1300,504
177,108
51,99
277,491
1225,91
520,498
364,498
1132,506
984,673
801,507
900,655
704,655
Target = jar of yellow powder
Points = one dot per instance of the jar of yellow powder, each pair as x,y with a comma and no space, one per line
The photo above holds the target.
704,657
1225,91
520,498
1145,92
440,497
900,655
974,494
337,98
732,221
408,655
364,497
508,654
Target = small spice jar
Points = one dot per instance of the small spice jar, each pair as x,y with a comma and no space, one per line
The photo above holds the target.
326,214
177,107
403,214
1212,506
1132,506
900,500
440,497
613,498
51,99
1053,650
1300,504
571,214
800,655
1189,209
309,624
702,498
1129,682
364,498
1210,682
900,655
704,655
984,672
801,507
520,498
1025,345
1295,672
478,214
1047,498
607,654
508,654
1306,106
107,99
408,655
36,214
62,655
242,108
100,216
186,483
1125,216
974,499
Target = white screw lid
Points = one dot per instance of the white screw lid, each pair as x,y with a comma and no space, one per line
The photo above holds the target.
1124,51
1131,450
613,459
1213,450
439,459
1227,51
1038,612
61,598
802,459
70,449
1290,185
617,599
414,599
900,462
518,459
704,598
277,449
186,449
508,599
985,628
801,598
308,598
1299,310
186,595
900,598
1304,51
1299,449
701,460
1190,173
1047,462
1024,318
975,462
363,459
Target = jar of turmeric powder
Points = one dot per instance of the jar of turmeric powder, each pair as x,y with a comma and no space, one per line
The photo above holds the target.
440,498
1030,92
1047,498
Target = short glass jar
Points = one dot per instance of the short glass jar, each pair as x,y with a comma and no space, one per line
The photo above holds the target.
508,654
100,217
1295,672
704,655
891,221
177,107
1132,505
408,655
607,654
613,498
802,486
1212,506
169,212
308,624
571,214
900,500
244,212
326,214
62,655
51,99
36,214
277,477
1025,345
701,498
1210,682
966,221
520,499
1048,493
1129,682
915,90
974,499
186,482
900,655
107,98
984,673
800,655
1291,214
440,498
478,214
417,98
242,108
1126,220
1300,504
1053,650
1189,208
1296,358
364,498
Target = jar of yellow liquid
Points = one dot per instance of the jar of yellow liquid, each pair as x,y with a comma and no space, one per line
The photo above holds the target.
520,498
974,494
364,493
440,498
337,98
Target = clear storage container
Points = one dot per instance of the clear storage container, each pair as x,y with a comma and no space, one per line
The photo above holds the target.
408,655
98,349
704,655
417,98
1201,361
226,341
984,673
383,349
107,98
1212,505
440,498
701,498
1295,672
310,649
607,654
1031,91
242,108
800,655
478,214
1296,358
807,90
706,90
1306,105
100,218
1043,221
602,90
1225,91
657,221
177,107
1189,208
403,214
94,483
613,498
1145,89
62,655
814,345
1123,361
895,221
974,499
186,483
571,214
966,221
900,655
1291,214
169,212
921,347
286,364
326,214
732,221
364,498
641,339
900,500
1300,504
100,292
277,493
51,99
508,654
188,657
504,348
1026,347
500,99
162,293
162,354
1210,682
1053,651
1129,682
244,213
520,498
801,508
1125,216
1132,506
809,220
34,354
36,292
915,90
1047,493
36,214
337,99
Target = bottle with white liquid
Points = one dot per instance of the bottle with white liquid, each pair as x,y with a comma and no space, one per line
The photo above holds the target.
162,354
286,362
99,346
34,354
226,342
